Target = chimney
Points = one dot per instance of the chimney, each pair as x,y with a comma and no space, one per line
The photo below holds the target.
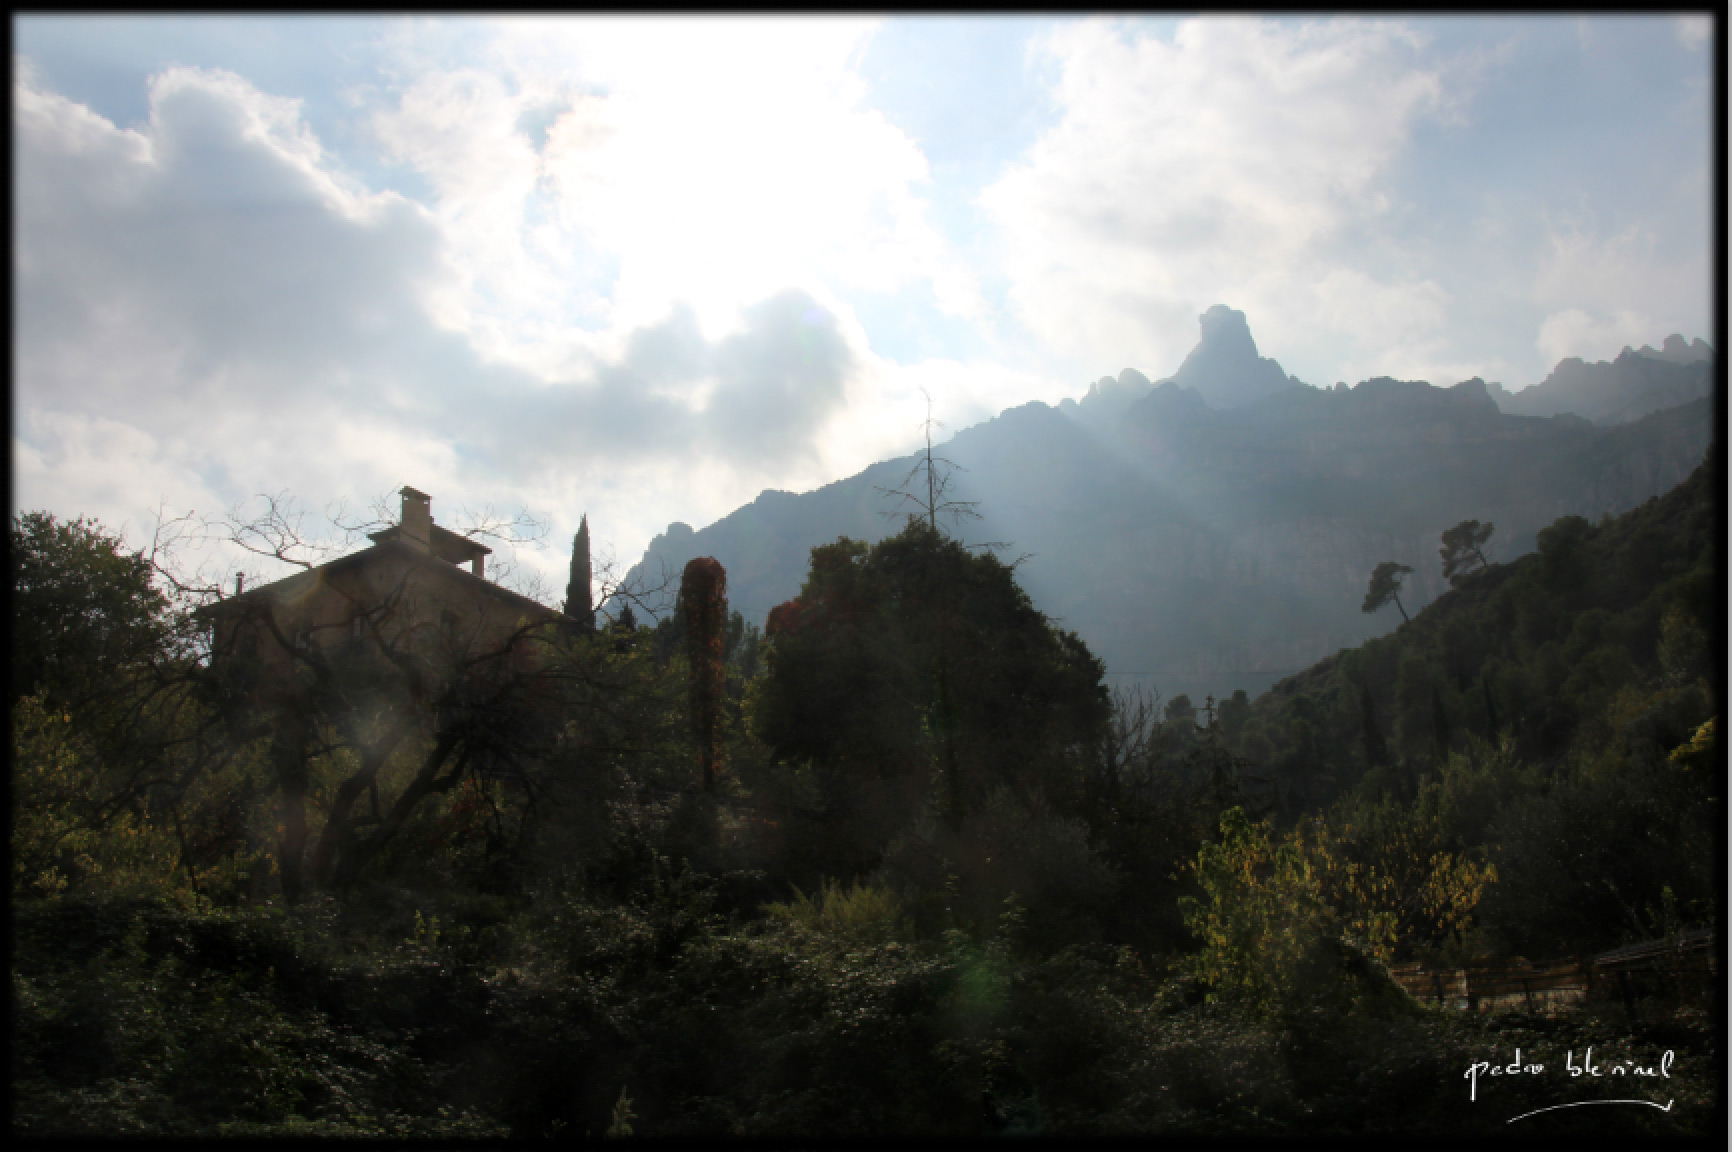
417,523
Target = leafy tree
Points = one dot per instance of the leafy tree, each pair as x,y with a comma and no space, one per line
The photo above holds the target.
1462,545
1386,587
1261,912
852,685
85,613
1235,710
578,604
1180,708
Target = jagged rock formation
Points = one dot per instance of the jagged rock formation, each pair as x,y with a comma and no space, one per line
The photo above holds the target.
1674,349
1219,548
1628,388
1224,368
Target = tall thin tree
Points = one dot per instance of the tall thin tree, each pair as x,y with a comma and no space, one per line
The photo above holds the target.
703,604
578,604
933,474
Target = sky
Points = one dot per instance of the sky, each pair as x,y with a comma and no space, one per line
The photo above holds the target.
642,269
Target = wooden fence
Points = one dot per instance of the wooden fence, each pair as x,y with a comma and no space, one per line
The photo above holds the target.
1684,965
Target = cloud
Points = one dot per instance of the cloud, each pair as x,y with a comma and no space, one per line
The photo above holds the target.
1602,292
605,170
209,307
1218,167
1574,332
1693,31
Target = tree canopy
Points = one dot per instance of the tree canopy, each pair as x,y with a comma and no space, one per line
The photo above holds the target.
1464,545
1386,587
84,610
852,671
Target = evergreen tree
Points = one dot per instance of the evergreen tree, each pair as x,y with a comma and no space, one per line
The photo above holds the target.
704,607
578,604
1462,545
1386,586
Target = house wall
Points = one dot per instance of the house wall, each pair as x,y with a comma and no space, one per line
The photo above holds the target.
443,620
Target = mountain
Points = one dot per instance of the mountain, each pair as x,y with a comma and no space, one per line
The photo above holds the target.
1674,349
1630,387
1224,368
1216,548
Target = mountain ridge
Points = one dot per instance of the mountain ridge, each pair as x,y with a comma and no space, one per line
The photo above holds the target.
1219,548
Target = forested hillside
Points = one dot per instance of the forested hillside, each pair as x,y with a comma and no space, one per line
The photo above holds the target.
899,864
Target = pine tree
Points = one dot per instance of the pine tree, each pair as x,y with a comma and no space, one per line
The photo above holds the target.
578,605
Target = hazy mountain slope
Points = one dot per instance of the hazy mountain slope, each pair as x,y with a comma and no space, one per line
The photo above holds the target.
1213,550
1625,389
1531,629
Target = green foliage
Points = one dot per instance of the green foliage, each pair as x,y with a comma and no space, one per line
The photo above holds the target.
1559,685
1385,587
63,833
860,909
1291,919
815,951
85,613
853,690
1464,545
1262,915
703,604
578,603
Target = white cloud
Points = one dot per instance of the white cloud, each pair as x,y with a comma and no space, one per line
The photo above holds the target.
209,308
1215,168
1603,292
1573,332
1693,31
704,163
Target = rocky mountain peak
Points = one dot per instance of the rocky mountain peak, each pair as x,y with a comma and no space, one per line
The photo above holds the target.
1674,350
1224,368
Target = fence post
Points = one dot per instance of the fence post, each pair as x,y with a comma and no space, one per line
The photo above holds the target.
1624,990
1528,995
1437,983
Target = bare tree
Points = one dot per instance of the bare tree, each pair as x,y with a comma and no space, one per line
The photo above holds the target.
927,486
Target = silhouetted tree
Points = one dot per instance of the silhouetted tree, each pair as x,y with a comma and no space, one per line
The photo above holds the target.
704,605
1462,545
578,604
1386,586
1235,710
84,610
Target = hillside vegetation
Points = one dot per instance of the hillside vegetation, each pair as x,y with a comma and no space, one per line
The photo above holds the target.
944,882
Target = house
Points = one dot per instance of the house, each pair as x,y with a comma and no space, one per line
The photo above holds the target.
415,607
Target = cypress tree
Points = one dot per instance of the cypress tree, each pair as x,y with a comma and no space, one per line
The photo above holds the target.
577,602
703,605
